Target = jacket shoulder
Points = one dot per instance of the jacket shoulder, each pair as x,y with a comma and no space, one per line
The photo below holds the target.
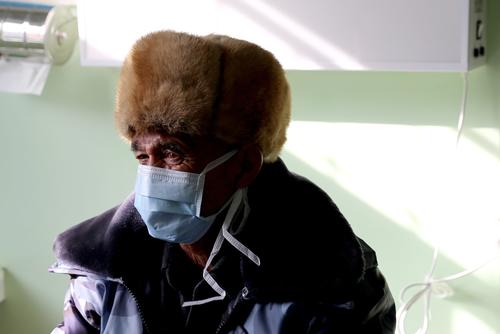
105,244
307,247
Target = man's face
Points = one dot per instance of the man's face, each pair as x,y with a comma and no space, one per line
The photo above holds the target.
188,154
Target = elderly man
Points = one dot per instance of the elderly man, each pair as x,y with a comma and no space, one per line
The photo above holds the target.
218,237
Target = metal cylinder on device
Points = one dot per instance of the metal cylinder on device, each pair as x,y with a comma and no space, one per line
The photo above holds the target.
29,30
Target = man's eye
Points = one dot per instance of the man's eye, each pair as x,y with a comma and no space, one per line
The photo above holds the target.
173,157
141,157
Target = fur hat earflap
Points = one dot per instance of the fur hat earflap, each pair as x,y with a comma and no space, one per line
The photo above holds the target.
215,85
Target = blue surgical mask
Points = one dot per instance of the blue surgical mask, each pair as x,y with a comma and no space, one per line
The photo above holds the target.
169,202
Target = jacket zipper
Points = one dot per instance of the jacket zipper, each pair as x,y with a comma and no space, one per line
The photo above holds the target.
139,308
228,314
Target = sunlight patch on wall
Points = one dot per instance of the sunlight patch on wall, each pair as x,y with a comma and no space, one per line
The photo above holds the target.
243,26
489,135
294,31
105,37
415,176
464,322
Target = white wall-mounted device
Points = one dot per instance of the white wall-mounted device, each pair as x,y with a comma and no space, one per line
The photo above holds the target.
37,30
401,35
33,36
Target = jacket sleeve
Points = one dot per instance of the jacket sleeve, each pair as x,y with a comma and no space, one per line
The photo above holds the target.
357,316
82,307
371,311
99,306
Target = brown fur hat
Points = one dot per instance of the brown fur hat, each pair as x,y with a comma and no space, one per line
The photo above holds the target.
215,85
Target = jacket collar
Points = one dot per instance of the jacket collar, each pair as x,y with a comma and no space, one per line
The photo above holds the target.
111,245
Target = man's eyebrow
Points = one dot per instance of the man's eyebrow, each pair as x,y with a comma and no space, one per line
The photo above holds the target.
134,146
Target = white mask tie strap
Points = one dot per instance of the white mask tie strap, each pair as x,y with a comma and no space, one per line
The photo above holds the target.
238,197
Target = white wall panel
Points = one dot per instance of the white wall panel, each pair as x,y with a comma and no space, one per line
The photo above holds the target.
414,35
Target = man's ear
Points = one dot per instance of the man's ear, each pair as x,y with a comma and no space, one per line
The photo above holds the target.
250,160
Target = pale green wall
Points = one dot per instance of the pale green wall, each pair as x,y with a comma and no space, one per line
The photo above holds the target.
61,162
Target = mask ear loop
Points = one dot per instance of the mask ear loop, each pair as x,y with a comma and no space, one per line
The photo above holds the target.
201,177
235,242
219,161
238,197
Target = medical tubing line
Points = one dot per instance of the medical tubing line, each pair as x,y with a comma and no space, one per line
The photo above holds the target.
429,282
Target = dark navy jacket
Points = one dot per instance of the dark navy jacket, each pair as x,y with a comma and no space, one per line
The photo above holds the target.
311,261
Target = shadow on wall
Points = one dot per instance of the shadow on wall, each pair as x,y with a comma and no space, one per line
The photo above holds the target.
18,289
62,163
